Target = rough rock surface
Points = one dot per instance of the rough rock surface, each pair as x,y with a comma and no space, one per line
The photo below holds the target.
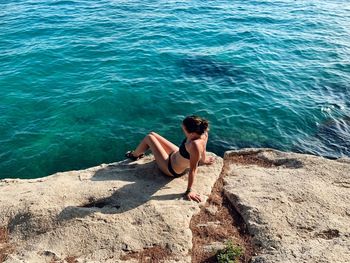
297,206
106,213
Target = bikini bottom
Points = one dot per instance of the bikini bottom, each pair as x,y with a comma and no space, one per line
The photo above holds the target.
171,170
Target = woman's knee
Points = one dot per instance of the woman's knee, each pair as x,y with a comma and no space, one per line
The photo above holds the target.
153,133
150,137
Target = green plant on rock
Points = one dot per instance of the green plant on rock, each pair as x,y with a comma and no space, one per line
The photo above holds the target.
230,254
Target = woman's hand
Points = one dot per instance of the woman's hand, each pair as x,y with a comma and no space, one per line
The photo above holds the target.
209,160
194,196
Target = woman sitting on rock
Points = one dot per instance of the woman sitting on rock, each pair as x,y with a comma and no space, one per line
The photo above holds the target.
173,160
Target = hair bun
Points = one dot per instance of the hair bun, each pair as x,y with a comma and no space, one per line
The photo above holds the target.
195,124
204,125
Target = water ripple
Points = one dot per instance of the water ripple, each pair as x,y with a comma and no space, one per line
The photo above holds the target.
81,81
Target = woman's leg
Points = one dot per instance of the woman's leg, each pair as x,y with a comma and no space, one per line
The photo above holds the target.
168,146
160,154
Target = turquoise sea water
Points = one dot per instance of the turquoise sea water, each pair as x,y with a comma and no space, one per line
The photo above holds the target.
83,81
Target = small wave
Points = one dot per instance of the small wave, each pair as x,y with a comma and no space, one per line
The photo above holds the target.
82,81
62,3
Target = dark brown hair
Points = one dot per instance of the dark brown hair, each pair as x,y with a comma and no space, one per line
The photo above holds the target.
195,124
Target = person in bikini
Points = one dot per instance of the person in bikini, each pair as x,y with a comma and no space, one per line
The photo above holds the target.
173,160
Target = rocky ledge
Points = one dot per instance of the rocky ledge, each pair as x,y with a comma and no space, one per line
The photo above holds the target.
119,212
295,206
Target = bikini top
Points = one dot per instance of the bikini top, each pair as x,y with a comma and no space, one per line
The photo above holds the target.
184,153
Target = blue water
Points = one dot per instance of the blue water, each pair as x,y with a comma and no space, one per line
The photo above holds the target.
83,81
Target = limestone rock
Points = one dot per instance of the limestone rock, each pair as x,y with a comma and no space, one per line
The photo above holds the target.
103,214
297,206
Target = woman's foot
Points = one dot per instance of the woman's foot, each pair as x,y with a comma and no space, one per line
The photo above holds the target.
130,155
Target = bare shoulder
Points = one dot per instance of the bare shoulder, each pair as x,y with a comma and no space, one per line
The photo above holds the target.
203,139
197,145
205,136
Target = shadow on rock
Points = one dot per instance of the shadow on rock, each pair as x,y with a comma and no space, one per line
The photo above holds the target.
142,182
267,158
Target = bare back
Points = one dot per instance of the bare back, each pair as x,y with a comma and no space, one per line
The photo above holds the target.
180,163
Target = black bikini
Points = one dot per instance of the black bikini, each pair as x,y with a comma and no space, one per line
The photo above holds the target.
184,153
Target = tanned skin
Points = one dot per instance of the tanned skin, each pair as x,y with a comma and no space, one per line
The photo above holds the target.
162,148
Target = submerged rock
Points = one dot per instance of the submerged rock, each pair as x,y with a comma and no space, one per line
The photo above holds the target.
205,67
335,134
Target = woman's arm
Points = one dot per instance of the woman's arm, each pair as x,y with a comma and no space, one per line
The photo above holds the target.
204,159
194,159
204,155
